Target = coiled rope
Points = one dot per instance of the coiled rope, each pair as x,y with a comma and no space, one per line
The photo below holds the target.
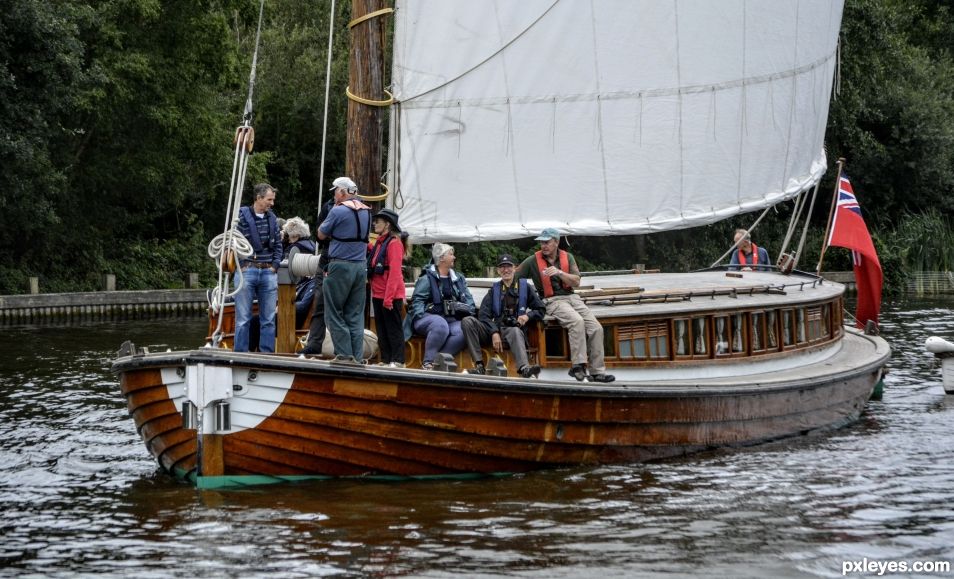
229,247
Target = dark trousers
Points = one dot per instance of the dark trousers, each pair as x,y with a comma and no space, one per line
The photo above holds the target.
478,334
316,332
390,327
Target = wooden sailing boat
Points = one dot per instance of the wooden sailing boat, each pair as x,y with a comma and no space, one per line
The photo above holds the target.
604,118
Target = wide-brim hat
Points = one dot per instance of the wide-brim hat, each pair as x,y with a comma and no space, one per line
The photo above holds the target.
391,217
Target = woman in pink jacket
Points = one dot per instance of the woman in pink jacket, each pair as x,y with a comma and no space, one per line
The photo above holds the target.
386,255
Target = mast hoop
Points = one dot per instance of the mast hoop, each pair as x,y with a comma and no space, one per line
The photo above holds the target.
369,102
369,16
380,197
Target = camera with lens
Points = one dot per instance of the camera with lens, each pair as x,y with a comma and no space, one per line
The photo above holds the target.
378,269
509,321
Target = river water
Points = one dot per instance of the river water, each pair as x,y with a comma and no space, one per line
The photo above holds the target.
80,495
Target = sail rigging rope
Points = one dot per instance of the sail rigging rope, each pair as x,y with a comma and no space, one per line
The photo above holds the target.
229,247
324,126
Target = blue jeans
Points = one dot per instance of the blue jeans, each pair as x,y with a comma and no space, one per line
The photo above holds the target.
441,335
261,284
344,292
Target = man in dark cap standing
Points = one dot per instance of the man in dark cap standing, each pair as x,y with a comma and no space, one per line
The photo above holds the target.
504,314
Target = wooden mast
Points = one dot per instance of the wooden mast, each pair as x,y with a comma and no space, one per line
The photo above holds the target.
366,95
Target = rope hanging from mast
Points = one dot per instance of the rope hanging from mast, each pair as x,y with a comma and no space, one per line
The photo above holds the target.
324,126
229,247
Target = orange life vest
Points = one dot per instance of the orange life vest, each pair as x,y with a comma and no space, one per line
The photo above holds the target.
542,264
755,256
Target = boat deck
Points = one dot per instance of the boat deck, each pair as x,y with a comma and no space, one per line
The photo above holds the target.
664,293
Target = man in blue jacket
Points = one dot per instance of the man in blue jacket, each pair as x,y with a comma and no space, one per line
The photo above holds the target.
259,274
347,226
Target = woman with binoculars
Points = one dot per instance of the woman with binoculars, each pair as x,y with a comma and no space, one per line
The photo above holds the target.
439,302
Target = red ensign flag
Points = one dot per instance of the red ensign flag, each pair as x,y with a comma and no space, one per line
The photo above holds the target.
848,230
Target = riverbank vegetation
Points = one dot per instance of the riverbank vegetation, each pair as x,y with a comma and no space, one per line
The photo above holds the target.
118,115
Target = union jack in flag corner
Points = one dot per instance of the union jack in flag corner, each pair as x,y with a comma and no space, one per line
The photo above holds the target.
848,230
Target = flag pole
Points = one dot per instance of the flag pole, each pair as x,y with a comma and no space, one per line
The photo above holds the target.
831,212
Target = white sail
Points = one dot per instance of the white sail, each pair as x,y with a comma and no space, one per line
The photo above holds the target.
604,117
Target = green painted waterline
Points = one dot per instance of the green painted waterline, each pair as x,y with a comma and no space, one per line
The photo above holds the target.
878,391
241,481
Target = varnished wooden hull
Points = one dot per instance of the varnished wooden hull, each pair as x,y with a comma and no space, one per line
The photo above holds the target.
325,419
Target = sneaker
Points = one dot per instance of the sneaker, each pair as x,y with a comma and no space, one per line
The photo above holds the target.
578,371
427,366
397,365
529,371
478,369
602,378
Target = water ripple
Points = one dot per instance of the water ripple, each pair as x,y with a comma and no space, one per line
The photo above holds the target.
80,494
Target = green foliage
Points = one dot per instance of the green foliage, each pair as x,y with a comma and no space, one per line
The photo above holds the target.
921,242
894,118
290,98
149,264
118,118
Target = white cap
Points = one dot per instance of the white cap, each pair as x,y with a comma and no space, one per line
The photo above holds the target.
344,183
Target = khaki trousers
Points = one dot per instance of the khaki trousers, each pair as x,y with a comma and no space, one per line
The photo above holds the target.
584,332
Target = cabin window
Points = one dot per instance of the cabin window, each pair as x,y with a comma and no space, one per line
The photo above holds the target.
788,329
683,336
826,320
814,324
699,333
556,347
758,331
800,325
658,340
609,341
721,335
738,333
771,329
647,341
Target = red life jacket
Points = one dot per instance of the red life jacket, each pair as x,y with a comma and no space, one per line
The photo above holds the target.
755,256
542,264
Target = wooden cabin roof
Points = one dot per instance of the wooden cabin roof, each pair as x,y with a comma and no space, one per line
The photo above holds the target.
688,293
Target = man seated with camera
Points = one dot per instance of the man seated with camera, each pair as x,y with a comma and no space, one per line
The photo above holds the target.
440,301
504,314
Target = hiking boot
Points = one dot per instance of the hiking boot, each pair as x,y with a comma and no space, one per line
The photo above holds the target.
479,368
605,378
529,371
578,371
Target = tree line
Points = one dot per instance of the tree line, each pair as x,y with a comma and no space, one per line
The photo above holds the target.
117,119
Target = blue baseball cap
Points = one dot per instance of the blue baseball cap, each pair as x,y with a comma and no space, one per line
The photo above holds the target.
548,234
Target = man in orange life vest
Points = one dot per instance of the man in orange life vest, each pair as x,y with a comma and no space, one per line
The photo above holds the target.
748,255
554,274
